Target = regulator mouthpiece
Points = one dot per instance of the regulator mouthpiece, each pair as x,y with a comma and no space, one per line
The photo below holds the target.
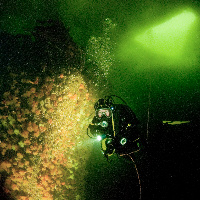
104,124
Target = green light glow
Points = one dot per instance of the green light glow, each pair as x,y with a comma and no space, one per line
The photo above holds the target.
169,37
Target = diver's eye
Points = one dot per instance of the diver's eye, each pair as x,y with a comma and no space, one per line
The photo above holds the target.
107,113
100,113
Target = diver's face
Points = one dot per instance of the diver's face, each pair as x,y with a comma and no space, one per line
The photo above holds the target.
104,111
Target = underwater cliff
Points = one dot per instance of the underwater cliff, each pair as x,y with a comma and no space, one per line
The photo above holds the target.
44,115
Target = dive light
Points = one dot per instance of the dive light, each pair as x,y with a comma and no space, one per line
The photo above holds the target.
100,137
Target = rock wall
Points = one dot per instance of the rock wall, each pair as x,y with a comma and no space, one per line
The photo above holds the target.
41,124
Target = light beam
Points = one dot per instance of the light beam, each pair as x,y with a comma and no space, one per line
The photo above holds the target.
169,37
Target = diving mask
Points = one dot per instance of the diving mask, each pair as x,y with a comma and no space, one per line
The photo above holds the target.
104,112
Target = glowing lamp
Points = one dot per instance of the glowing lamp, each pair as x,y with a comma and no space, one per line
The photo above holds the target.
99,138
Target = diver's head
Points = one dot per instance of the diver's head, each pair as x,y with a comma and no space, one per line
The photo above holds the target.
103,108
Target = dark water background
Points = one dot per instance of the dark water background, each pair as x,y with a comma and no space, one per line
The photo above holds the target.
168,168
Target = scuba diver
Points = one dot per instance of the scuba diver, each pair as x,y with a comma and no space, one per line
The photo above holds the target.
116,126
